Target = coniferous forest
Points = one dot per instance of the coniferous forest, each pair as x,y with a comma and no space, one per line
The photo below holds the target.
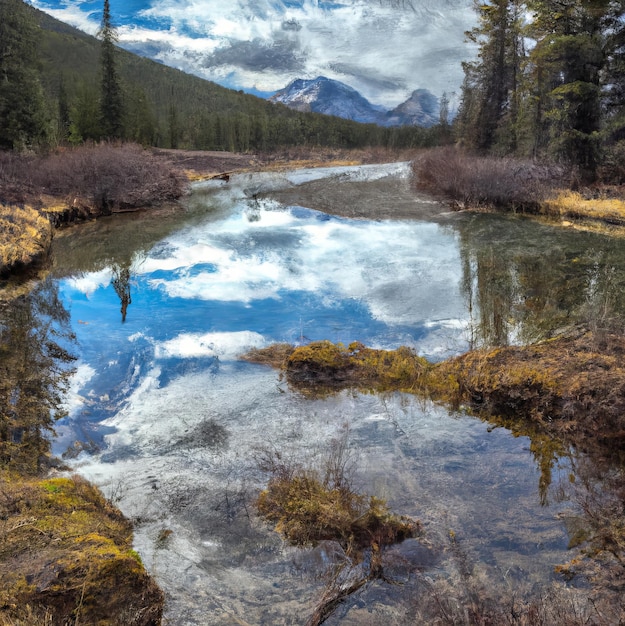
548,83
61,86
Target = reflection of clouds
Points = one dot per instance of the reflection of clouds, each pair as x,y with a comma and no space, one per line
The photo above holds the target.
224,345
89,283
383,48
399,271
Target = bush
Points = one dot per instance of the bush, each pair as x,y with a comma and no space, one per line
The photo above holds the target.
15,183
471,181
110,177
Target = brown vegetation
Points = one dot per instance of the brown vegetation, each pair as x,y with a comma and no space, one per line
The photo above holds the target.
511,184
77,183
66,558
571,386
307,509
485,182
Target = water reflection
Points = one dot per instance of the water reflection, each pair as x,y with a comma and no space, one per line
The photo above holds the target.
121,284
181,419
35,338
524,281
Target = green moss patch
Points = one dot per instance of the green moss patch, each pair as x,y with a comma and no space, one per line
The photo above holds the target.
66,557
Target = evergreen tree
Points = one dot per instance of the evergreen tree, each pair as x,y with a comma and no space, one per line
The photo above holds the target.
489,104
111,95
85,115
23,120
64,119
567,61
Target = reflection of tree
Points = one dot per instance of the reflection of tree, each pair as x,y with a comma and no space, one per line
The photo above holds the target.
121,284
34,374
526,283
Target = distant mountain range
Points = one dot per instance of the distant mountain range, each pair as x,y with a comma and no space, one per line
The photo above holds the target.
332,97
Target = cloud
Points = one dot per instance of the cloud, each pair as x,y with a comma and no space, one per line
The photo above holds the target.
383,48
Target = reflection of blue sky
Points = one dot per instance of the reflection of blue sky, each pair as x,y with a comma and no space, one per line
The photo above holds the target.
209,293
384,49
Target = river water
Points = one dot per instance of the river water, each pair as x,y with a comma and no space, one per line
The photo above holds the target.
173,426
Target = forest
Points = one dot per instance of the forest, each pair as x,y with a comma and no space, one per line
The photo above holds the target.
548,84
61,86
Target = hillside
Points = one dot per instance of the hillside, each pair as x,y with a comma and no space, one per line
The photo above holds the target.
169,108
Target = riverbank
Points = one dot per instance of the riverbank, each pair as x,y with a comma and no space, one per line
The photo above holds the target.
66,557
501,184
39,194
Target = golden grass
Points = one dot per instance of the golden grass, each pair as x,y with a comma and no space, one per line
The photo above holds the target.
24,235
570,204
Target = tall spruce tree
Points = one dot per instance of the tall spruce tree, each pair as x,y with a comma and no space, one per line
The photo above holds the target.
23,120
489,105
111,94
568,61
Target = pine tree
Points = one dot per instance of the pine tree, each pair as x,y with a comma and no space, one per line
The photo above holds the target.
489,103
23,119
111,94
568,61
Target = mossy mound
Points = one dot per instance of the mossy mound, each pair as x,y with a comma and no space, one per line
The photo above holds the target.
325,366
572,386
306,510
66,557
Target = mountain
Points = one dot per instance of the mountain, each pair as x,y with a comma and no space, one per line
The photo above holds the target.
332,97
421,109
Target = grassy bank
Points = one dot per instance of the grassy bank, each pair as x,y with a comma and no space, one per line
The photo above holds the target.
66,557
515,185
571,387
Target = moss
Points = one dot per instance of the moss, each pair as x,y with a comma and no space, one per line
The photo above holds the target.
573,387
66,552
306,510
322,366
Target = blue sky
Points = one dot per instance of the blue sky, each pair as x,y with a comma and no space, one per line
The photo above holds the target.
383,48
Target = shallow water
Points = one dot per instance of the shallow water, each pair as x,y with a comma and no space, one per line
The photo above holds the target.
172,425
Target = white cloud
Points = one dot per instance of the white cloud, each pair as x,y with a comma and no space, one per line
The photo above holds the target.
383,48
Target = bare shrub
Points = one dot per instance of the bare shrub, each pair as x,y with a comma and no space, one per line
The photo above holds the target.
15,183
110,177
471,181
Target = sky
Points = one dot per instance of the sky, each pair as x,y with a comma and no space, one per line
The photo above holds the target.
383,48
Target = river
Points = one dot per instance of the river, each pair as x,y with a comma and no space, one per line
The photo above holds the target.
173,426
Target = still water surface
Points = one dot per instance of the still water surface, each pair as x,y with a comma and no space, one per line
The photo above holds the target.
171,424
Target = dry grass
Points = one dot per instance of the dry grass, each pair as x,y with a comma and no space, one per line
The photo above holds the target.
572,205
25,236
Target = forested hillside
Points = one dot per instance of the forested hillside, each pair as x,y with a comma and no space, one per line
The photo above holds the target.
168,108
